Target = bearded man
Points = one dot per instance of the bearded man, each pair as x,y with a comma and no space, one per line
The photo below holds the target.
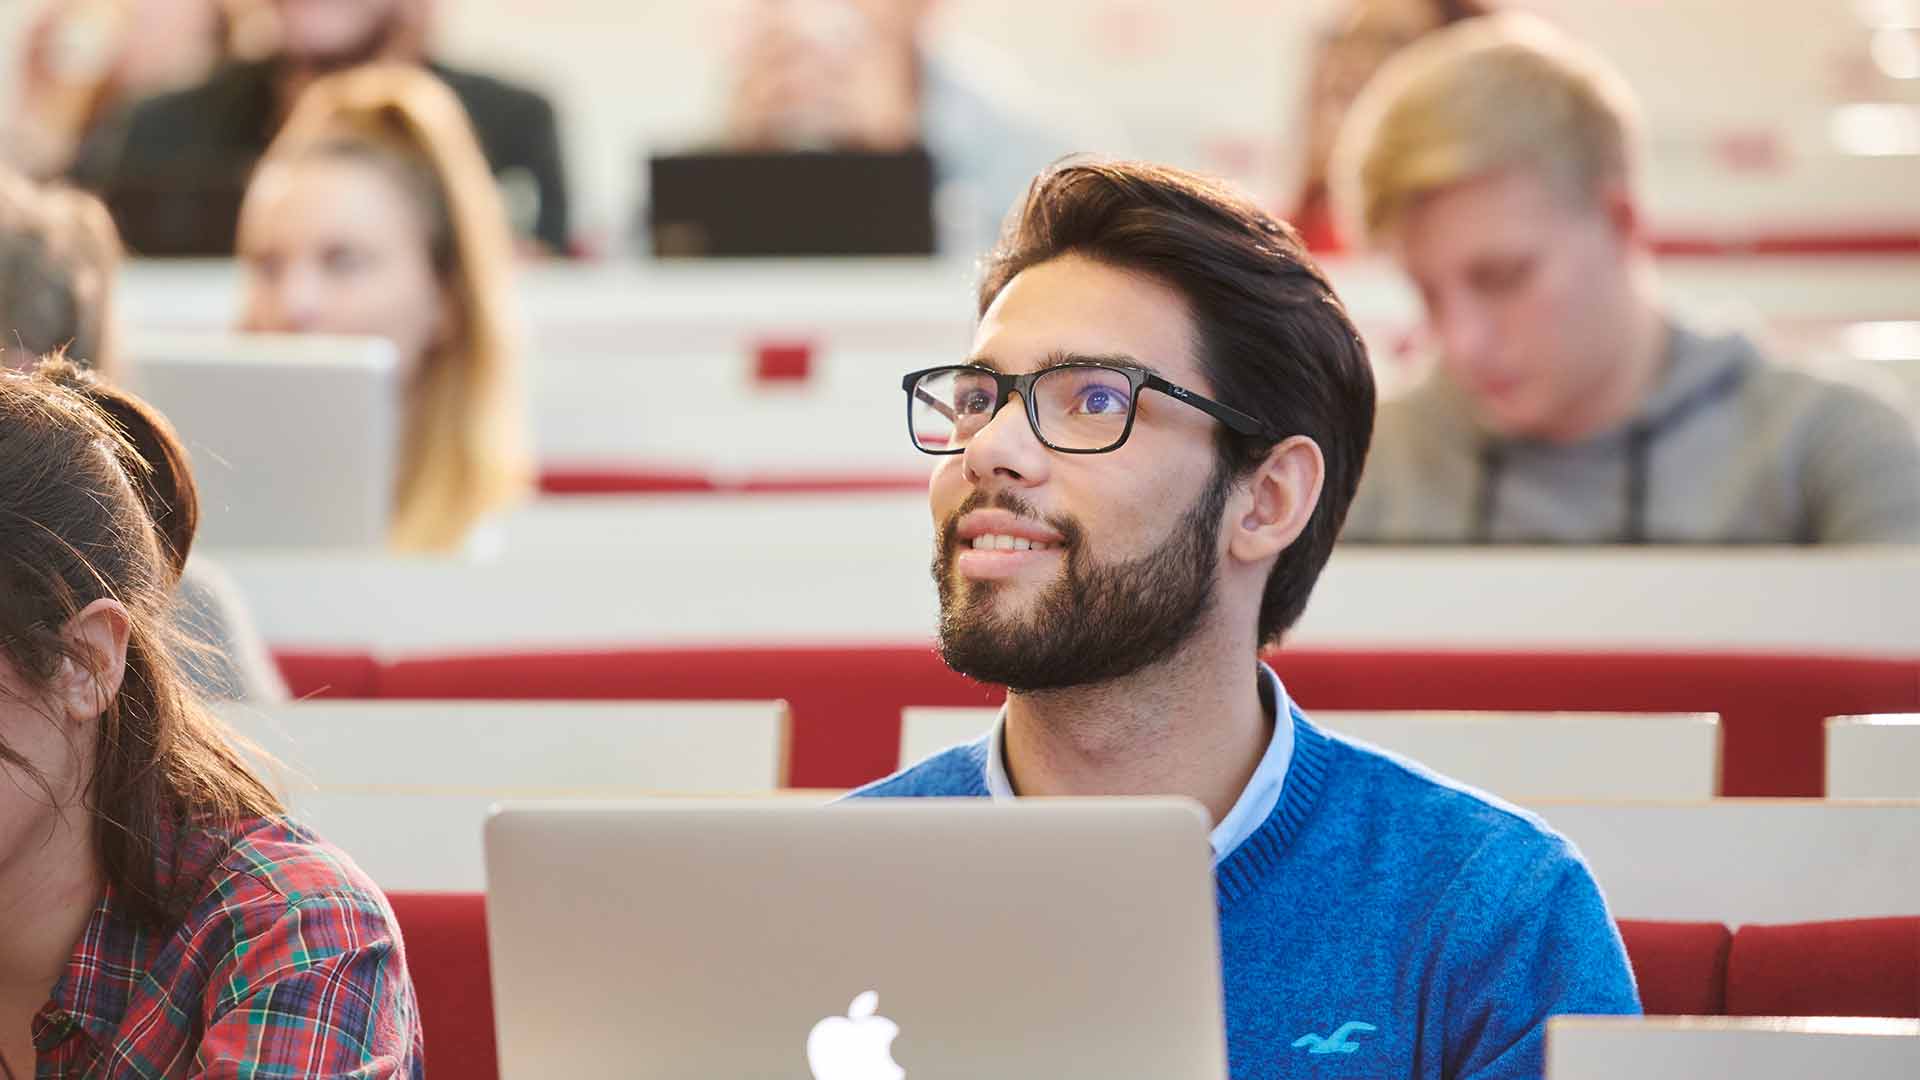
1190,412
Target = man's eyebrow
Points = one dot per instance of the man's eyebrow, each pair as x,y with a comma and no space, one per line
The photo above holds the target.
1060,357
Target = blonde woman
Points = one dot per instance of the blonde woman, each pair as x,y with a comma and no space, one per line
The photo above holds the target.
373,213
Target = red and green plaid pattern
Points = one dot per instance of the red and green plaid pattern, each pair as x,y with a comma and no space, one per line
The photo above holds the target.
290,965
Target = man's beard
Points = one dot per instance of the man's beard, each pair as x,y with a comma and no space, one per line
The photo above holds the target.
1094,623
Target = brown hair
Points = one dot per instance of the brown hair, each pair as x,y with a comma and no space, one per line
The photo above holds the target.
59,252
463,448
77,525
1274,340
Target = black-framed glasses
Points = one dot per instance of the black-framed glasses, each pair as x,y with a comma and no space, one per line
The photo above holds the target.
1075,408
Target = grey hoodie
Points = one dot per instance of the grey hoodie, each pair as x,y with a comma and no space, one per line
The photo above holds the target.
1729,449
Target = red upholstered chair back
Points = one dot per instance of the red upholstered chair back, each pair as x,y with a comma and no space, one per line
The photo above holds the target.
1681,967
328,674
1852,967
445,935
1772,708
846,701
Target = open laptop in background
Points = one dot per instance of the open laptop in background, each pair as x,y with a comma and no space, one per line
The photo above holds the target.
1064,939
795,203
293,438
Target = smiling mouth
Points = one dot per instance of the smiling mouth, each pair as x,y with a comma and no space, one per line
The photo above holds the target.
1003,542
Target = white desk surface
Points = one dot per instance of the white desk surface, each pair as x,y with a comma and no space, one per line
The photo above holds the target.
1748,860
757,569
1690,1048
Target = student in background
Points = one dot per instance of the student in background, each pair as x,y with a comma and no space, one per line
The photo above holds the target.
59,256
164,916
83,60
1362,35
1149,454
1498,161
373,213
860,75
217,129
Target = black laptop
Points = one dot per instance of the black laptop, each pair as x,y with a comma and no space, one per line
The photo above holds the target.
791,204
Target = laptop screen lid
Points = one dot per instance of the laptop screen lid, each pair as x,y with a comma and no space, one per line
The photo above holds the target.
293,439
1046,938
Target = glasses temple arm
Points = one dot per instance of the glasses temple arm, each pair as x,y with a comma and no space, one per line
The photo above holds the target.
939,406
1226,414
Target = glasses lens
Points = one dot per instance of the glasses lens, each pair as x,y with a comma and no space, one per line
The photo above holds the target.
1083,407
950,405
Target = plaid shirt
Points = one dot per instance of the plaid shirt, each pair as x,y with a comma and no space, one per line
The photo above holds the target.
289,965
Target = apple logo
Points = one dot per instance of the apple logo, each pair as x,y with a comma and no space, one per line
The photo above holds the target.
857,1046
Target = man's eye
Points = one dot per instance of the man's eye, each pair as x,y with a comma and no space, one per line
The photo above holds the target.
973,401
344,260
1100,401
1504,277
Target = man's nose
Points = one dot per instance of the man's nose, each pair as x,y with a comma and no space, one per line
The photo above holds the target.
1007,448
1464,333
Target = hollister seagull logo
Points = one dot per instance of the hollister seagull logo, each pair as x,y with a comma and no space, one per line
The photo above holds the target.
857,1046
1335,1043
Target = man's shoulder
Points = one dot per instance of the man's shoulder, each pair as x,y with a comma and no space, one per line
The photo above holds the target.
492,96
1429,409
1800,382
227,91
1419,814
955,772
1421,468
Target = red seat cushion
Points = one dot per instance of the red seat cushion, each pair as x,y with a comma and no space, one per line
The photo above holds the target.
1852,967
846,701
589,479
1681,967
328,674
1772,708
445,936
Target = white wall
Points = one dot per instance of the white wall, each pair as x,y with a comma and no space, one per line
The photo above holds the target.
1738,94
1215,84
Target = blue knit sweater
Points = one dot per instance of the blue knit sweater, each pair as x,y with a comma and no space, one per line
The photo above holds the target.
1387,922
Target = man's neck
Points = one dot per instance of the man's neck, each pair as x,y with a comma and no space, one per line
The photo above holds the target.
1192,725
48,892
1623,387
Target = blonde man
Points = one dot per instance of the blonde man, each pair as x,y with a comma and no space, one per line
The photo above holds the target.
1496,161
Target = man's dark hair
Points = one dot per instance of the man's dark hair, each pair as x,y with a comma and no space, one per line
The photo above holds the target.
1274,340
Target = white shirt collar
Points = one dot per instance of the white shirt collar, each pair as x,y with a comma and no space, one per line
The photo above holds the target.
1250,810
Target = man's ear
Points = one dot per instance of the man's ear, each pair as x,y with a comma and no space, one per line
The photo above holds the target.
1622,212
98,633
1279,500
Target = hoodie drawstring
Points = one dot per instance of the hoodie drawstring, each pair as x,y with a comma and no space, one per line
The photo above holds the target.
1639,446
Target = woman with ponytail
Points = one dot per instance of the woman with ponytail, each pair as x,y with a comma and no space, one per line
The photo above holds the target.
59,256
159,914
373,213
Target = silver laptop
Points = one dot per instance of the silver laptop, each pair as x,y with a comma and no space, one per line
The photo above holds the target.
293,438
871,940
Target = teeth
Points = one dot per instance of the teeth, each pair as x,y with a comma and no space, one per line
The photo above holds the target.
1003,542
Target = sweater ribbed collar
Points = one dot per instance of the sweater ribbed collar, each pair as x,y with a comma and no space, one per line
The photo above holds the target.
1247,869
